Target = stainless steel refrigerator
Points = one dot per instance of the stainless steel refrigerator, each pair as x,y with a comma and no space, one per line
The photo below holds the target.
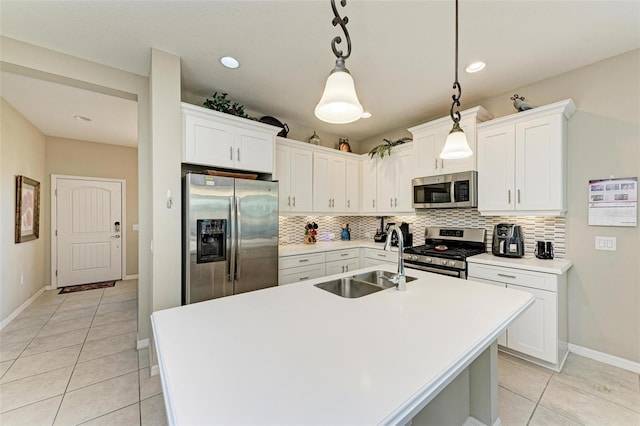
230,236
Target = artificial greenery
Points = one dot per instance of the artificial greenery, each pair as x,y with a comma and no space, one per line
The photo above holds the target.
385,148
219,102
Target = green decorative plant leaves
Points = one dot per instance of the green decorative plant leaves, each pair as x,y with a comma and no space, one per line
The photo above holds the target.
385,148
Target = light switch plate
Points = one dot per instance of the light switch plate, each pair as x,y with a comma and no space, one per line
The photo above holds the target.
606,243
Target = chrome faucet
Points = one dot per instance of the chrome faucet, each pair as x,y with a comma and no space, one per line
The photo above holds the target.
399,279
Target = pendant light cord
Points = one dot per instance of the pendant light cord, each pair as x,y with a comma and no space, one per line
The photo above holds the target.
456,84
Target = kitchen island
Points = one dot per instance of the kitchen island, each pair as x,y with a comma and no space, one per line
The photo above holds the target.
297,354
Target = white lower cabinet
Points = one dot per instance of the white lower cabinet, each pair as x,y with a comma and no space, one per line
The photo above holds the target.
540,333
303,267
374,257
339,261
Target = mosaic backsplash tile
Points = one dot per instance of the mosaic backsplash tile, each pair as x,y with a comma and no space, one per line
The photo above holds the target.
364,227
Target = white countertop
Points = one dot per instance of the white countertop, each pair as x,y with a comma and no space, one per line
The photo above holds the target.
296,354
320,246
549,266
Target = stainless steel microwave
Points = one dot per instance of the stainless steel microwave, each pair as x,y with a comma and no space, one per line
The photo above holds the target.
455,190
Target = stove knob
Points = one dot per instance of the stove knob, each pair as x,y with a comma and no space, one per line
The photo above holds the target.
414,257
428,260
444,262
452,263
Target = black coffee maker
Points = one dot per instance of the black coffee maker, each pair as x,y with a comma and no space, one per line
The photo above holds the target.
508,240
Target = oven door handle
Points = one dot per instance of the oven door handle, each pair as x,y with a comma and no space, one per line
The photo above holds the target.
436,270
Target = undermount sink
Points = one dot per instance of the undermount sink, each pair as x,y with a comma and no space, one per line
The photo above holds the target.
360,285
380,278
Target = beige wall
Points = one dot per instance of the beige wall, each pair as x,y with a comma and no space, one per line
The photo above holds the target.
22,152
80,158
604,140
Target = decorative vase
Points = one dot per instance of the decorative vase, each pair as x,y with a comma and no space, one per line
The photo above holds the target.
314,139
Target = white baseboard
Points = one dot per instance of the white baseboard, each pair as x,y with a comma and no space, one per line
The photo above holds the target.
155,370
144,343
130,277
605,358
21,308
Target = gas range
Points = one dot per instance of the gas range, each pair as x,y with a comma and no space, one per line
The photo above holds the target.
445,250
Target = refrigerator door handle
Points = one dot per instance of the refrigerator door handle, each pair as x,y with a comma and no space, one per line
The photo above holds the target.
236,241
231,264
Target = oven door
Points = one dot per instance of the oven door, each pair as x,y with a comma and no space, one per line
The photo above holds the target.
457,273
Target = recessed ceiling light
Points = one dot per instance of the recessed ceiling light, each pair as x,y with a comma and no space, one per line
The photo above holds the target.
229,62
366,114
475,67
80,117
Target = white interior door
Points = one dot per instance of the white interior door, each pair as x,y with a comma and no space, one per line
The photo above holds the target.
88,231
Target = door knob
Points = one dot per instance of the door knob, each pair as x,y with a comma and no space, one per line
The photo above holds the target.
115,236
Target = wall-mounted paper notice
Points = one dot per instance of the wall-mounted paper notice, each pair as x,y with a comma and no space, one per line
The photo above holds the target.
613,202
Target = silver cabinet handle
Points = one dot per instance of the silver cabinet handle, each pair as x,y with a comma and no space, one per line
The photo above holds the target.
238,156
115,236
303,260
342,268
436,160
303,278
518,196
329,202
347,268
391,202
344,254
442,164
294,201
348,204
374,203
381,255
506,276
289,200
231,153
509,196
395,202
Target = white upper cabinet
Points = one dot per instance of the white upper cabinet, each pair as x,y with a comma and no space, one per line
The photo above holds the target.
386,182
212,138
329,183
294,171
429,139
522,162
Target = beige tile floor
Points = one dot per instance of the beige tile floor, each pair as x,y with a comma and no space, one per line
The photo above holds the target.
71,359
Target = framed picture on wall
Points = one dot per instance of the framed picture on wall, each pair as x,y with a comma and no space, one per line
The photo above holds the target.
27,209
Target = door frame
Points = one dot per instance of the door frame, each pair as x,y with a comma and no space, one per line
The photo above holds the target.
54,211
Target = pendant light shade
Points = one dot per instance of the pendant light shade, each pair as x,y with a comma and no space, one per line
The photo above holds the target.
456,145
339,103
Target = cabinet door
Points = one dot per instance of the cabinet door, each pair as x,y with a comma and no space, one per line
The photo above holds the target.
321,182
496,168
352,186
342,266
301,180
337,184
539,154
535,331
427,145
208,143
386,183
254,150
369,186
405,171
502,339
283,167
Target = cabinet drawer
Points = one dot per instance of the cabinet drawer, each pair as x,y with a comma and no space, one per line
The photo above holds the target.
301,260
521,277
385,256
332,256
301,273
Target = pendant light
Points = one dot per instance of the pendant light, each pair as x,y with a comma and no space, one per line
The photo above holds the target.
339,103
456,145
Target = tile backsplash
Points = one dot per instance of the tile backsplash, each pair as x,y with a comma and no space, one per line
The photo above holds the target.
535,228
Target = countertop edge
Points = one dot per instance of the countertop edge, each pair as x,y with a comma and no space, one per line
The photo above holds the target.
552,266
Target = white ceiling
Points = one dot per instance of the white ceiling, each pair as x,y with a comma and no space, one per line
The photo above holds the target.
402,59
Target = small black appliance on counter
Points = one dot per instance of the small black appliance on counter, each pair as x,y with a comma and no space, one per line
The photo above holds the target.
508,240
544,249
406,235
381,235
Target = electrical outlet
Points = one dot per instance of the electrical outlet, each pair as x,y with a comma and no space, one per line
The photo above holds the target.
332,236
606,243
